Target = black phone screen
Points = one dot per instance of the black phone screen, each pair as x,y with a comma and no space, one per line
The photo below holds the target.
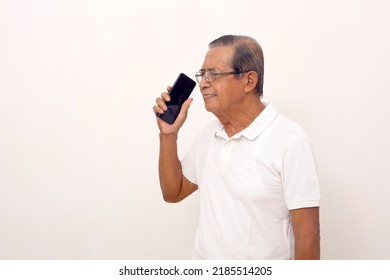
179,93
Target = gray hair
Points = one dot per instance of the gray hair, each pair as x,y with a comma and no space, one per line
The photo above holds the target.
247,56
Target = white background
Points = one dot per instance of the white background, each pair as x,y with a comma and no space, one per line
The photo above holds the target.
79,142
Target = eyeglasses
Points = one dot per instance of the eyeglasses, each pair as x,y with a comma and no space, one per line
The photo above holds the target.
211,76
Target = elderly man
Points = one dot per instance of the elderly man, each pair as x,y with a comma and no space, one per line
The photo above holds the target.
259,192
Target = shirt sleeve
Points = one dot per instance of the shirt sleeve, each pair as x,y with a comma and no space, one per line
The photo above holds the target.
188,165
299,175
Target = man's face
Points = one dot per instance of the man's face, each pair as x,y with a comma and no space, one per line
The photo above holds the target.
226,91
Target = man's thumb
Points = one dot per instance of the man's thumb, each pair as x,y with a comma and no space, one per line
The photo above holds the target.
184,109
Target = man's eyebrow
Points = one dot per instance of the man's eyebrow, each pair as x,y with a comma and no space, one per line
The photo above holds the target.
208,69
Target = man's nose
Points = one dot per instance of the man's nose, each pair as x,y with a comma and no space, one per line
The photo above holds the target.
204,83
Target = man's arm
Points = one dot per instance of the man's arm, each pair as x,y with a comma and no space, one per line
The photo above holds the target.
174,186
306,227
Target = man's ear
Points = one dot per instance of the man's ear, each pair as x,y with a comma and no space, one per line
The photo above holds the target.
251,81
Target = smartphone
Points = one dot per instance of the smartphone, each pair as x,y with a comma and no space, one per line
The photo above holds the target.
179,93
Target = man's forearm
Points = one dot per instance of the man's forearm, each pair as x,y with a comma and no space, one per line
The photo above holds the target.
169,167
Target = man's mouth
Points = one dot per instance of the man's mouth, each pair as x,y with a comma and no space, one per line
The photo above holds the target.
208,96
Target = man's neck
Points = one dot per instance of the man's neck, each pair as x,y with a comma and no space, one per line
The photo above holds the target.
237,119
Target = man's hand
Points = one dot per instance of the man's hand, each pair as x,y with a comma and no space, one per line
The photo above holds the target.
161,107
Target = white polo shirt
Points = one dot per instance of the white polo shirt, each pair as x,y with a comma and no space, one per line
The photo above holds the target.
247,184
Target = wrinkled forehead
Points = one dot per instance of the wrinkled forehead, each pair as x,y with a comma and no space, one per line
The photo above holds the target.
218,58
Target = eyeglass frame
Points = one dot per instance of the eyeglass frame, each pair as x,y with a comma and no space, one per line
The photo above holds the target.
214,74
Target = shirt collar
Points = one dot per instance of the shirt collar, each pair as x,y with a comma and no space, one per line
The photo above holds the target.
258,126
